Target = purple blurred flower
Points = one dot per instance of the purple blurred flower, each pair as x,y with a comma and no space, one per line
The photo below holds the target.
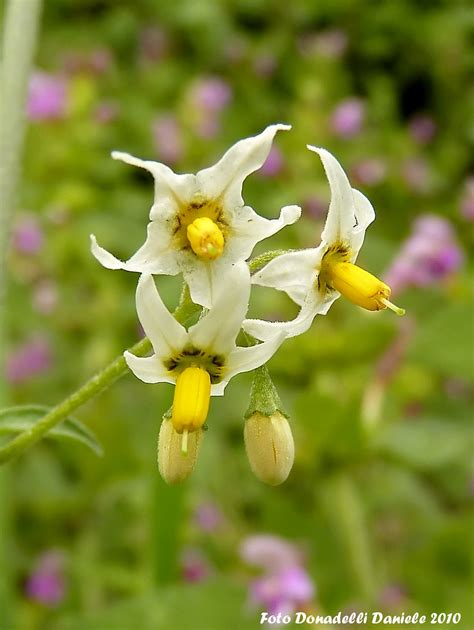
348,117
369,172
33,357
100,60
153,43
47,584
265,65
331,44
167,138
392,596
194,566
273,164
417,174
208,517
283,592
269,552
315,207
27,235
47,97
106,112
422,128
45,297
211,94
467,200
430,254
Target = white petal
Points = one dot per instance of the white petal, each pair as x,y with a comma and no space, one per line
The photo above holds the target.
225,178
292,272
157,254
171,189
341,214
246,359
165,333
201,276
147,369
217,331
312,306
365,214
249,228
103,256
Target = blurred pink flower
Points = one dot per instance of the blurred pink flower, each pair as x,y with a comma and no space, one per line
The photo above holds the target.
273,164
285,585
27,360
47,584
211,94
47,97
27,235
208,517
430,254
467,199
167,138
106,112
315,207
265,65
369,172
422,128
417,174
331,44
195,566
392,596
348,117
153,43
45,297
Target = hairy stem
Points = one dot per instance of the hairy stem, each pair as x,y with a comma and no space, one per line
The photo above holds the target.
260,261
102,380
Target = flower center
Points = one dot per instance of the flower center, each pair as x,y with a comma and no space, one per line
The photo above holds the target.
205,238
192,395
354,283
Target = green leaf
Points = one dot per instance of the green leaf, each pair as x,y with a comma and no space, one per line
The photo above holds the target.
425,443
15,420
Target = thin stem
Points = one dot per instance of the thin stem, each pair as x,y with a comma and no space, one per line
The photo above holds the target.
91,388
260,261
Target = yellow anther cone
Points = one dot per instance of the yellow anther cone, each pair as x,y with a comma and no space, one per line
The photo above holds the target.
191,399
360,287
205,238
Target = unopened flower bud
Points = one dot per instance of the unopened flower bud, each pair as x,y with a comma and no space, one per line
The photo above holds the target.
270,447
174,464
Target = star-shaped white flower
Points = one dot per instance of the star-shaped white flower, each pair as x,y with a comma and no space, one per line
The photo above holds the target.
208,346
314,278
199,224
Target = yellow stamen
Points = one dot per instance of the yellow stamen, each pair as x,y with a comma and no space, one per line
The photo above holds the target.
359,286
205,238
191,402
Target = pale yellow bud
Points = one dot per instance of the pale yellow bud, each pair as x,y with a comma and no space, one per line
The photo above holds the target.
174,465
205,238
270,447
359,286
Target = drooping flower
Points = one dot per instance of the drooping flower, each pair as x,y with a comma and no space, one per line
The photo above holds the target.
200,361
314,278
199,223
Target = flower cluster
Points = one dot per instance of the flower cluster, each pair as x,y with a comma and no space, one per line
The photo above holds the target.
201,228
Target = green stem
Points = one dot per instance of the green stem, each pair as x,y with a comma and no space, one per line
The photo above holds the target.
346,509
20,29
260,261
93,386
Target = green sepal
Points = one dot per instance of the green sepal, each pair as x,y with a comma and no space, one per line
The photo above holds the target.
264,398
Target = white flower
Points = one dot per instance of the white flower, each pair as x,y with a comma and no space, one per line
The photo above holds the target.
314,278
199,223
201,360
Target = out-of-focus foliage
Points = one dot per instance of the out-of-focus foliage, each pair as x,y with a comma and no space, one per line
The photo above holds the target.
384,406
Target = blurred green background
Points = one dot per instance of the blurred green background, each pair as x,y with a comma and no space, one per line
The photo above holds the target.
381,408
